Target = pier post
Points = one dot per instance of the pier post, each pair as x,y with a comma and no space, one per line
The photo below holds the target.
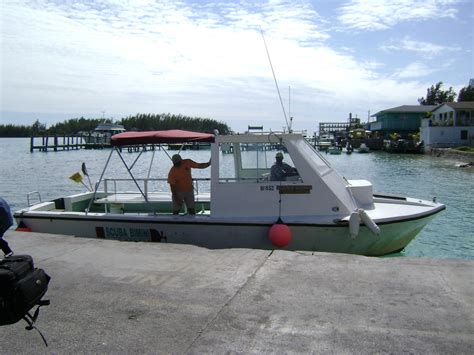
32,143
55,143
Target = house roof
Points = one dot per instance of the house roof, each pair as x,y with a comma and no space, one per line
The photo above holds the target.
109,127
463,105
408,109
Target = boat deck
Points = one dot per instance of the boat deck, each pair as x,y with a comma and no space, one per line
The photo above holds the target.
131,198
386,209
156,203
389,209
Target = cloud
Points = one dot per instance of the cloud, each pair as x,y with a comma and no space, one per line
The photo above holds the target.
375,15
419,47
415,70
201,59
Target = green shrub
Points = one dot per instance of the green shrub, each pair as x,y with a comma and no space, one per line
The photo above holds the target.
465,149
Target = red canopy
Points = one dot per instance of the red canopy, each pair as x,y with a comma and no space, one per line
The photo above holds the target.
155,137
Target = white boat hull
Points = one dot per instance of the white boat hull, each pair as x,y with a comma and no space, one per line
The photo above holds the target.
220,233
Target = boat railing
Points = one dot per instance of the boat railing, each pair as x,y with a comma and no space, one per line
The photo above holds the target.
110,185
29,197
258,130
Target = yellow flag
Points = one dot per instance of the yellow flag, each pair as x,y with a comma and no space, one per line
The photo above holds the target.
77,177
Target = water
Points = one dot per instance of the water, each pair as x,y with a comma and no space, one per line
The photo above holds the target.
449,235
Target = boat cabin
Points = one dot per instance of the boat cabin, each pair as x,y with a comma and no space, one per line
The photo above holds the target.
247,189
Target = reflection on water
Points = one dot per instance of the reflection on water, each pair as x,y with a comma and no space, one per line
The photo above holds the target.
449,235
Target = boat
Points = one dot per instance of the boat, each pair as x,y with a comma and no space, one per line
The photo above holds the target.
102,133
363,148
316,209
334,150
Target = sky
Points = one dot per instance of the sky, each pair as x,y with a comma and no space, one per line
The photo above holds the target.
63,59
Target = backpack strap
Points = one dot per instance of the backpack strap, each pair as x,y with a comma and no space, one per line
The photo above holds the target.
28,318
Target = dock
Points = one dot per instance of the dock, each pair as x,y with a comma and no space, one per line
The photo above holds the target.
76,142
57,143
112,297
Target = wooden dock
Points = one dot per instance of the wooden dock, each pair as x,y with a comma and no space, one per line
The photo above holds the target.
55,143
76,142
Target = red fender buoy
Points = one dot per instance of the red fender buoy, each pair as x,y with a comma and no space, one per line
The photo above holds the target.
23,229
280,235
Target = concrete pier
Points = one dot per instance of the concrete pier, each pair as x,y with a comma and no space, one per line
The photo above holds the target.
125,297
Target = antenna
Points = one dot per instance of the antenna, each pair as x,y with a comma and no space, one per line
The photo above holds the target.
274,78
289,109
289,101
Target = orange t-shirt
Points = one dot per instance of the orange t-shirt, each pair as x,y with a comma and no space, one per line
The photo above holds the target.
181,176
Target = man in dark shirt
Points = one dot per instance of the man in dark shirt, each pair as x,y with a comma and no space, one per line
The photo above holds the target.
280,171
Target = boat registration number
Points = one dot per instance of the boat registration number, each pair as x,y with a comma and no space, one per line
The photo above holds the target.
288,189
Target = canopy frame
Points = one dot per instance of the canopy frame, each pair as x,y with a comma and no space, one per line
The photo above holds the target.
142,138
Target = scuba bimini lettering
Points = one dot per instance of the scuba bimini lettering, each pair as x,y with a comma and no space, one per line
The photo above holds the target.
127,234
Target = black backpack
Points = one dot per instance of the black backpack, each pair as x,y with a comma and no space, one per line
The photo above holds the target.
22,287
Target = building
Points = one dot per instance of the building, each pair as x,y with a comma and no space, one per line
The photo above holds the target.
402,119
453,114
335,128
451,124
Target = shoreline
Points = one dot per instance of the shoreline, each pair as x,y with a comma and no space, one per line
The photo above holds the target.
453,155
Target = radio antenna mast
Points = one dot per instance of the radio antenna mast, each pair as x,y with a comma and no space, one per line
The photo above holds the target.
289,109
274,78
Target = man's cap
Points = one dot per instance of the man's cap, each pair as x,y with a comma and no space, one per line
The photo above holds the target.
279,155
176,158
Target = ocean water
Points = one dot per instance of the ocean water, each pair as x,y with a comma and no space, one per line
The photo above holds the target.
449,235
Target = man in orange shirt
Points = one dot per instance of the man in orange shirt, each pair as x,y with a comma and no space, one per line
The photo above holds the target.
181,182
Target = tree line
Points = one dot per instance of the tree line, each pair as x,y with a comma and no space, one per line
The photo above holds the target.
144,122
139,122
148,122
435,95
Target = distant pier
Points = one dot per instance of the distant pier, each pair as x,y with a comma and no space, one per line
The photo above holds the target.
55,143
76,142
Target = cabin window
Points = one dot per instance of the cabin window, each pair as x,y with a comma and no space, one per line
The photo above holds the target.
257,156
226,163
463,134
249,162
313,158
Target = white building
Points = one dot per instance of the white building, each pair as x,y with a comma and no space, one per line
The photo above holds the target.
451,124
